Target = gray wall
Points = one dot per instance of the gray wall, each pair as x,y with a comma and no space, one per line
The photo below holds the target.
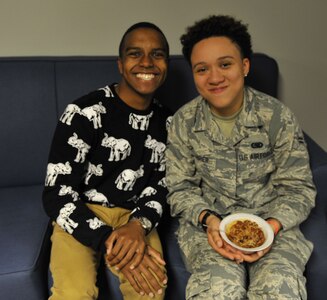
292,31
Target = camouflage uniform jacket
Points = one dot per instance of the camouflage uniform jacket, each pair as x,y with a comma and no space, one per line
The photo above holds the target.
262,169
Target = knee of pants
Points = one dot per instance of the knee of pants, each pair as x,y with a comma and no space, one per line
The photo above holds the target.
207,285
74,286
277,285
74,292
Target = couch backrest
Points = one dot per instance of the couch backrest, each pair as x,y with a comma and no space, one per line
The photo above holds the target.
27,119
35,91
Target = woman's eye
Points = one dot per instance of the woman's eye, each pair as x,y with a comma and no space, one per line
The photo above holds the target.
200,70
225,65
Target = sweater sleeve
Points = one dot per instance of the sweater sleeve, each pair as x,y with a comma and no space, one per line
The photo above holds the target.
152,199
65,177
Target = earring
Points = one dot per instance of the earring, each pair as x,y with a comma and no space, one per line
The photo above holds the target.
245,75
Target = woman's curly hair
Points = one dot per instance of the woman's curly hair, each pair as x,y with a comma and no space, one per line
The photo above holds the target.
219,25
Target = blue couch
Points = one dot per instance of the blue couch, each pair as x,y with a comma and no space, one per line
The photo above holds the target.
33,94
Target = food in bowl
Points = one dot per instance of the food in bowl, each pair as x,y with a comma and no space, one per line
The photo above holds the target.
246,232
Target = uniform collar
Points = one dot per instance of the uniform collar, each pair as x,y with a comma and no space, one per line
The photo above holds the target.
248,119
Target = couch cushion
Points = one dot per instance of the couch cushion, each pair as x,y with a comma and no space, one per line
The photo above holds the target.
25,243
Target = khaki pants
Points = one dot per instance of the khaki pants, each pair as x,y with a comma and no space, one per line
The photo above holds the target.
74,266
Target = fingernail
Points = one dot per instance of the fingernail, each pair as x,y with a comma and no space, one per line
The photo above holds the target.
159,291
142,293
116,268
132,267
151,295
165,281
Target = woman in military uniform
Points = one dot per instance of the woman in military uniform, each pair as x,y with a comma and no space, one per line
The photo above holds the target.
235,149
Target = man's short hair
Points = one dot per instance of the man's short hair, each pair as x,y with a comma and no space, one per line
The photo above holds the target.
142,25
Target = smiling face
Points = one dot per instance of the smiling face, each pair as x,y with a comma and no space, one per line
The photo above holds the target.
143,66
218,71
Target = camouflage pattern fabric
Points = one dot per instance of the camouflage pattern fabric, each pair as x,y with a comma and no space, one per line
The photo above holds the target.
262,169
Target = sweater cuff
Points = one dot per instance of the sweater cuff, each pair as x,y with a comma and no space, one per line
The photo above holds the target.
147,213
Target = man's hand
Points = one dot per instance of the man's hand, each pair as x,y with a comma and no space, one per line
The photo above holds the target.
126,245
148,277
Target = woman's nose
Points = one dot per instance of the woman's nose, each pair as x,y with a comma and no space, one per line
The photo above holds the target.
216,76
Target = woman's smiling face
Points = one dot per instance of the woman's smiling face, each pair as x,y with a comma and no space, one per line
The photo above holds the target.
218,71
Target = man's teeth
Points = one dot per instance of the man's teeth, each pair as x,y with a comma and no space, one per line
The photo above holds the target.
145,76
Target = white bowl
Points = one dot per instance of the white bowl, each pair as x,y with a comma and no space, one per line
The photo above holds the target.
264,225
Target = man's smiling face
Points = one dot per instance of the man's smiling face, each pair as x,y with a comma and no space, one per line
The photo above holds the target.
143,64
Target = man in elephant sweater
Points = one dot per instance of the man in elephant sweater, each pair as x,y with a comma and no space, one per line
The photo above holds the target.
105,188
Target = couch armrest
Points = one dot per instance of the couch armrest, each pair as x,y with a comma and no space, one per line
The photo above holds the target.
315,227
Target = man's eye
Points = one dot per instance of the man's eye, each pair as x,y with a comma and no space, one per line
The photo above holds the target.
134,54
159,54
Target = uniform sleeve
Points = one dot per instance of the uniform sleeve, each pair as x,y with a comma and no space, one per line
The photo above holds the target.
71,145
184,192
292,178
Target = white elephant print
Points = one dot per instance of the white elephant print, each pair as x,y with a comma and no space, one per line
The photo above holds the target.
69,113
126,179
162,182
162,163
94,196
139,121
68,190
53,170
148,191
156,206
157,148
93,113
82,147
93,170
168,121
95,223
108,92
120,148
64,220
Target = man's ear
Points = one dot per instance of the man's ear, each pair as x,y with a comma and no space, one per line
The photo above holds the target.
120,65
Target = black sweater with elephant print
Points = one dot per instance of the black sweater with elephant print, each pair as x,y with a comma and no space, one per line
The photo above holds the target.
105,152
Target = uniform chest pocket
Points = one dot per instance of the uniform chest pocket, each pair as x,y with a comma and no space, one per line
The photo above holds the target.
255,166
205,161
